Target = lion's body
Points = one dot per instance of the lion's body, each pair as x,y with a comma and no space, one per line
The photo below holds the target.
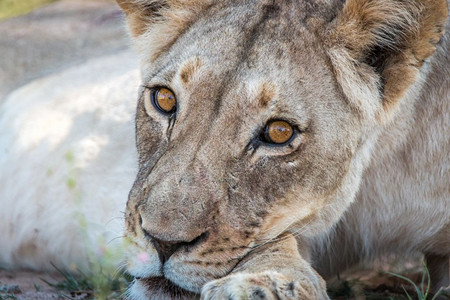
403,204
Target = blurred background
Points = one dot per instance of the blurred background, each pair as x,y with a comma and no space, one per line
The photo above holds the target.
12,8
68,90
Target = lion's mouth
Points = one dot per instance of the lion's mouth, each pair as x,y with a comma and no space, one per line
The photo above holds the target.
162,288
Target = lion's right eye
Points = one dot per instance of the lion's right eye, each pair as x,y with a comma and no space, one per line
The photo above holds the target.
163,100
278,132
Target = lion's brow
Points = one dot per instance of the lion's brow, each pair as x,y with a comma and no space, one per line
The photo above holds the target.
266,95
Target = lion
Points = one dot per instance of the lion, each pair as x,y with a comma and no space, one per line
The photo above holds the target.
281,142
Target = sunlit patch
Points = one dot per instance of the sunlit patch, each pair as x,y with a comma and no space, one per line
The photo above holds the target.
88,149
39,126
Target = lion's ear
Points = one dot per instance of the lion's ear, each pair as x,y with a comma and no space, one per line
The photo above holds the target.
141,13
156,24
377,47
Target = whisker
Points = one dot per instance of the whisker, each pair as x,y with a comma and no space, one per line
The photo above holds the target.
295,233
127,293
116,238
120,268
276,237
113,219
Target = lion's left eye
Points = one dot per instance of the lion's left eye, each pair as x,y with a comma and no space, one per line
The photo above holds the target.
278,132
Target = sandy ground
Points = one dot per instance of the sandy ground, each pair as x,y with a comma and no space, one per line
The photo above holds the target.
27,285
57,36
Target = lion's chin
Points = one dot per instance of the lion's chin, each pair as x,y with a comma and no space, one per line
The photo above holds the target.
158,288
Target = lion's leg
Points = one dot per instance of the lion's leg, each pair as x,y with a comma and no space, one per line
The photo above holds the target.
273,271
439,268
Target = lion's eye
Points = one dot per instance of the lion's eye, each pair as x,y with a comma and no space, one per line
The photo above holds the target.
164,100
278,132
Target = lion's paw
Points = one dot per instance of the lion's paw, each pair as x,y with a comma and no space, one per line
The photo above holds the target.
265,285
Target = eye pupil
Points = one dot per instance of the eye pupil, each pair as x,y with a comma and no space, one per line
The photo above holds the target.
164,100
278,132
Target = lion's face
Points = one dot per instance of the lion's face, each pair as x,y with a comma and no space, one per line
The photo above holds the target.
208,177
211,186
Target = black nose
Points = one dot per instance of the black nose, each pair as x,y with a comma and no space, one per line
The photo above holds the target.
165,249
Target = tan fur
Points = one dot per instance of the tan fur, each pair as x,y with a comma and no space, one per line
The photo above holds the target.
410,29
218,212
189,69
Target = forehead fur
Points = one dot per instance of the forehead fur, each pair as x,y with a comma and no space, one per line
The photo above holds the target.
142,13
376,47
155,32
157,24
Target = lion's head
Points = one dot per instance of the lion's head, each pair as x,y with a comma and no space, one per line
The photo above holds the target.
256,118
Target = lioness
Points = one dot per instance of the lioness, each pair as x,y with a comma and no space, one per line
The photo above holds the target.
279,140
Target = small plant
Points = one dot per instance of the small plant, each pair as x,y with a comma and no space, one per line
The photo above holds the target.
383,285
423,289
96,284
7,292
74,284
7,297
102,280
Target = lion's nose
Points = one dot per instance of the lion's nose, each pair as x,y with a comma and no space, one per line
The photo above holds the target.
165,249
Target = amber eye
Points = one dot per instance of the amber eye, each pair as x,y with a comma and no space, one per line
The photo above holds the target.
278,132
164,100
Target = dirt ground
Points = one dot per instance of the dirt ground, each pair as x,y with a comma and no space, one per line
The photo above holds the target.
359,285
57,36
27,285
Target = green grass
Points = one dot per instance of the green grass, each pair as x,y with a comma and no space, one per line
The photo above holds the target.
103,280
100,283
421,289
7,297
12,8
7,292
394,287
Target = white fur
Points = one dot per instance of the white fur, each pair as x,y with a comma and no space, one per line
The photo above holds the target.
137,291
67,163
